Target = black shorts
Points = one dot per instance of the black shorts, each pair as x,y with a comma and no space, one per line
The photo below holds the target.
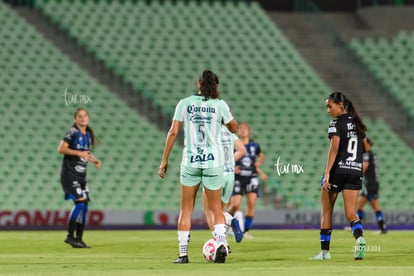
370,194
341,182
74,186
245,184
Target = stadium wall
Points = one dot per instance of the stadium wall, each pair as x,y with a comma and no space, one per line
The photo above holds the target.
165,219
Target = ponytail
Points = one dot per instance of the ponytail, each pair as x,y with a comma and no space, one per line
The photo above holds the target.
360,126
209,84
94,139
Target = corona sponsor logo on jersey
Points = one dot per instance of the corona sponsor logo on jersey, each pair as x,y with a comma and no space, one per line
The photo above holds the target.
196,117
193,108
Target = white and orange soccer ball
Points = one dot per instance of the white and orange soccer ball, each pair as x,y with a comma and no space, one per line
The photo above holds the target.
209,250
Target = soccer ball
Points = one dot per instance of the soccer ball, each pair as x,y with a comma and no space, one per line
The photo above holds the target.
209,250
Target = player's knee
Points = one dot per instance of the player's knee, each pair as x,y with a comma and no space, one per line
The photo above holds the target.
79,209
326,211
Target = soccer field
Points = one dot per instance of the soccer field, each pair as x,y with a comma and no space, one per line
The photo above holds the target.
148,252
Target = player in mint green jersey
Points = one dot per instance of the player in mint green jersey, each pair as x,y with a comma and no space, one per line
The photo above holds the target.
202,162
233,149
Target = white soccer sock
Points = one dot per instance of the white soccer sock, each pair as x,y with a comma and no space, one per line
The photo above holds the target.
239,216
183,241
228,218
220,233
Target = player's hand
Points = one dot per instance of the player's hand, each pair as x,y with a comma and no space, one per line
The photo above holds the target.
98,163
237,170
263,176
94,160
163,169
326,186
85,155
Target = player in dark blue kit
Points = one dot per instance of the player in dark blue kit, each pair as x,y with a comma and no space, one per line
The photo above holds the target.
246,182
76,147
343,171
371,188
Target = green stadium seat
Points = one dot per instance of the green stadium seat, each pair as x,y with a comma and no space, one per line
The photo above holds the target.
389,61
45,100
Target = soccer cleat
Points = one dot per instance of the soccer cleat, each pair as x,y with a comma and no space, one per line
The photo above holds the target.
247,236
182,260
83,244
380,232
221,253
73,242
235,226
360,249
322,256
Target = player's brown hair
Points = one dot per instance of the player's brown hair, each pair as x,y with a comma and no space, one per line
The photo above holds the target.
94,139
209,84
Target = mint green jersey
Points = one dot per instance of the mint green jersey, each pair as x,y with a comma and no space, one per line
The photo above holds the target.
227,142
202,120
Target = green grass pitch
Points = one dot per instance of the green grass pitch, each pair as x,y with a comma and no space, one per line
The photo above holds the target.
149,252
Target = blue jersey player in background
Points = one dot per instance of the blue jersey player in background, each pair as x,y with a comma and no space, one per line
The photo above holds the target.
370,191
76,147
246,182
